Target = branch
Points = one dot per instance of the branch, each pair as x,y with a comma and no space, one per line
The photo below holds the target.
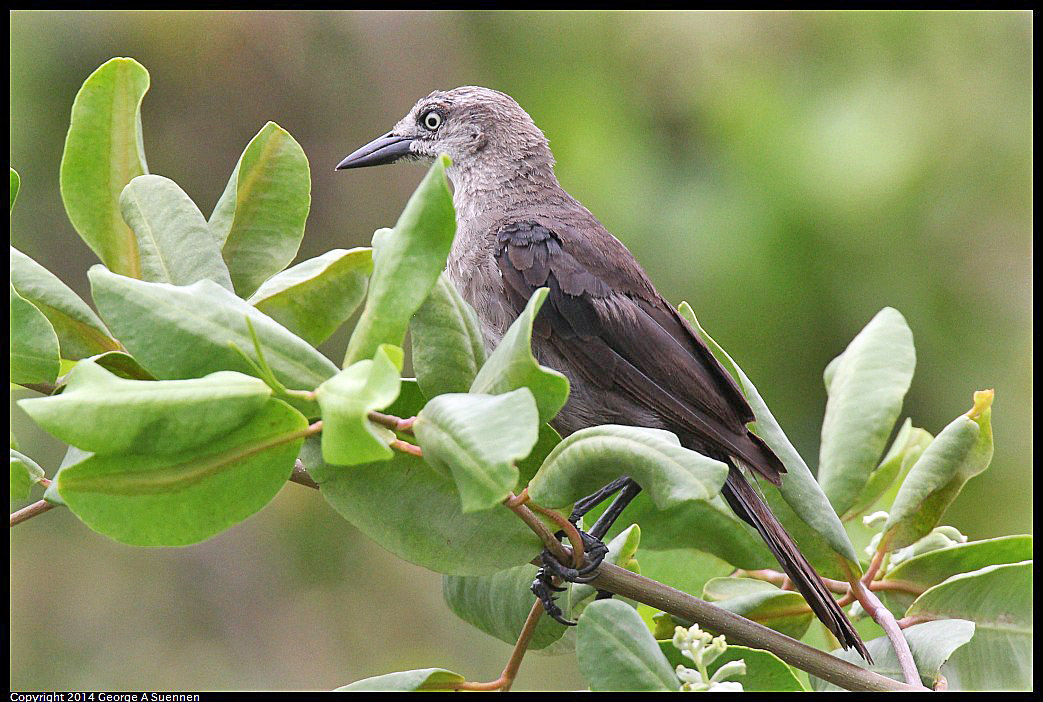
742,631
882,615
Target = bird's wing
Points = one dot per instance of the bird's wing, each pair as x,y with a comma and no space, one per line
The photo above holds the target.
616,331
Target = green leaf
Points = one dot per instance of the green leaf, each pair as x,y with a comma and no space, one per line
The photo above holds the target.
498,605
998,599
527,467
907,447
710,526
447,341
932,644
176,500
414,512
406,264
104,152
959,452
477,439
34,345
313,298
782,610
346,399
16,182
866,385
72,456
80,331
929,569
615,651
595,456
512,365
174,242
122,364
765,672
189,331
804,510
406,681
105,414
259,220
685,569
25,472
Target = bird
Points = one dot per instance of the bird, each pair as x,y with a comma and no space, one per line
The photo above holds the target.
630,357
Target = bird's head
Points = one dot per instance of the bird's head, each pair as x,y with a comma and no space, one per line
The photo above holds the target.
477,128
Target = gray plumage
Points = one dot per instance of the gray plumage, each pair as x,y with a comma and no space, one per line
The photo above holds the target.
629,356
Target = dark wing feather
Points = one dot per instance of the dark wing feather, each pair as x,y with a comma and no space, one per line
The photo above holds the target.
604,317
616,331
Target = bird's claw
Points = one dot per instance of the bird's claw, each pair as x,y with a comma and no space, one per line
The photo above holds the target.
543,587
595,551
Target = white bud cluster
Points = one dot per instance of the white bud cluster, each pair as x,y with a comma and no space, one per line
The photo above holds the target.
703,649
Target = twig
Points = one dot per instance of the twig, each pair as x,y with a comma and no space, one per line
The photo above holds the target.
882,616
406,447
906,622
510,671
517,506
878,559
838,587
392,422
896,586
570,531
31,511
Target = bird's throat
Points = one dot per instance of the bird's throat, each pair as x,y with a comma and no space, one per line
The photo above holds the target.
483,188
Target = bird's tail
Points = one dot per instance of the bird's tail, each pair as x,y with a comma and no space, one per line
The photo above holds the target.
750,506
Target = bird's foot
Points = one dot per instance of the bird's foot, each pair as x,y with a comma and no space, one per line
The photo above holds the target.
594,550
543,586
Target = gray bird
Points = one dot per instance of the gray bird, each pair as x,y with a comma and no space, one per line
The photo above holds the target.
629,356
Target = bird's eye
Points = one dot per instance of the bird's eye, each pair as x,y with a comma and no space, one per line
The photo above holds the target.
431,121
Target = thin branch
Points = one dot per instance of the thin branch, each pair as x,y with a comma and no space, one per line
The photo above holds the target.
392,422
538,527
742,631
570,531
897,586
882,615
906,622
31,511
406,447
510,671
878,559
838,587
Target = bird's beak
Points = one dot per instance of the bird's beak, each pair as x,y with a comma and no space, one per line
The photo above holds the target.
387,149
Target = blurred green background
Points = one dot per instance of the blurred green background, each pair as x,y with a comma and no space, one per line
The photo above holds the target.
789,174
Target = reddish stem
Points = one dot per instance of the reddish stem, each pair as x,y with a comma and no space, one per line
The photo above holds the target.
31,511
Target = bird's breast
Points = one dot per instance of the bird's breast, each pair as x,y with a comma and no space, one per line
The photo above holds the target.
474,273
